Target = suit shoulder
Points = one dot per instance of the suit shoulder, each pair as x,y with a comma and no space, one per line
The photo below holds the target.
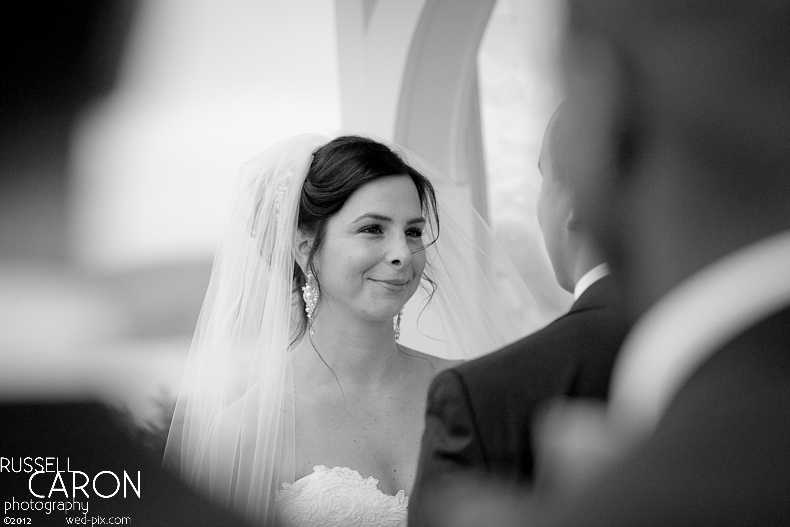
516,354
575,342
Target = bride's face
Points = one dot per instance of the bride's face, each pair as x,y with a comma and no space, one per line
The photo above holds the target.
370,262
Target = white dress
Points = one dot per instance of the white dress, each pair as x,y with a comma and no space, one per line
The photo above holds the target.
338,497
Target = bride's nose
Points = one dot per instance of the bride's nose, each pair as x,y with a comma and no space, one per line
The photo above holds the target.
398,251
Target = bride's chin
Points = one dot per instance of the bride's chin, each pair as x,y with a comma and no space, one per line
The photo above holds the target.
384,313
379,307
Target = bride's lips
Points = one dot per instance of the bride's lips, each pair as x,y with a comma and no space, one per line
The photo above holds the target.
393,284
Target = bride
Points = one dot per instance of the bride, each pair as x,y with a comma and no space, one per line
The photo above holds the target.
299,401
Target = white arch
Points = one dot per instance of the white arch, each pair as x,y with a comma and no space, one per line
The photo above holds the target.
374,38
408,73
439,110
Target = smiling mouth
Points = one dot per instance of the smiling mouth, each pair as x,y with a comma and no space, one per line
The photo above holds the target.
393,285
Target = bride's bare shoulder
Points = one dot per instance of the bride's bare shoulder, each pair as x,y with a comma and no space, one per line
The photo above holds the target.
437,363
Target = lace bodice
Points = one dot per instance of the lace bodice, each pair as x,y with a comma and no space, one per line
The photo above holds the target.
338,496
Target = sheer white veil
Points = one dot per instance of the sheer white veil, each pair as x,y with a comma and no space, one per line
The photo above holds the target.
232,435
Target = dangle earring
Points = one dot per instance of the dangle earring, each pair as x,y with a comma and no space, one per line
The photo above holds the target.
310,296
396,324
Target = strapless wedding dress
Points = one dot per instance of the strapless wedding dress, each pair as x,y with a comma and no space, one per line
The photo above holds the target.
335,497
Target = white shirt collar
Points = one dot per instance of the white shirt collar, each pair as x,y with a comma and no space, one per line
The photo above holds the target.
589,278
689,324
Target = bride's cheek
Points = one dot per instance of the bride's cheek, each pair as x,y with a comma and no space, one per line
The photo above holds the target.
418,263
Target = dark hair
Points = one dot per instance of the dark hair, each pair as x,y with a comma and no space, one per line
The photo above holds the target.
340,168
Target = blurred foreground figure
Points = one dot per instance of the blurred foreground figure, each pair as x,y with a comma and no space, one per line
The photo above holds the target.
64,456
686,121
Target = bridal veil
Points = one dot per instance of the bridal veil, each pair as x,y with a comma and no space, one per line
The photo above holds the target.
232,435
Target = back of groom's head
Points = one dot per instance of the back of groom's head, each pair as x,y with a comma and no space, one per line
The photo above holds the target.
566,237
685,122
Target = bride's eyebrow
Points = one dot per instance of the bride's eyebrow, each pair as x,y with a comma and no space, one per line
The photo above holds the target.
386,219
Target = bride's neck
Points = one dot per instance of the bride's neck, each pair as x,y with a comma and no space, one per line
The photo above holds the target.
356,350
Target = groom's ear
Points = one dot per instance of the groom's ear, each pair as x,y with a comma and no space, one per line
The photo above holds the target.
572,222
302,248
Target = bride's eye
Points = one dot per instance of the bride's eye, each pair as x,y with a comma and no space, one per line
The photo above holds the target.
414,233
371,229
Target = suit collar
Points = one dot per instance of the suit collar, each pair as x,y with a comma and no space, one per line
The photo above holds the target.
601,293
589,278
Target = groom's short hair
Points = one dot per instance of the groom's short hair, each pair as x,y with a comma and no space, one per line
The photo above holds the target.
558,135
565,133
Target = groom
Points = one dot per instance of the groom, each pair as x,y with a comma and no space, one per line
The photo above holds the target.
480,414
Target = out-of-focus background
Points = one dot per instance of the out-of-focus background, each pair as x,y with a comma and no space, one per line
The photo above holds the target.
204,86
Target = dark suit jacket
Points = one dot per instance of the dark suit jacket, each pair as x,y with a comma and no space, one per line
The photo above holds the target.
480,414
90,439
720,454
